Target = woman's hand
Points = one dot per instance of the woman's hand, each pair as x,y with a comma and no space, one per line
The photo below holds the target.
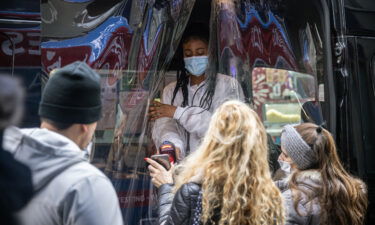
159,110
159,174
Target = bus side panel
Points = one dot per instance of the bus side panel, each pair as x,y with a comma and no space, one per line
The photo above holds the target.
362,110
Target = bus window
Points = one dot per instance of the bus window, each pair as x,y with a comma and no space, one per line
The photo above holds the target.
284,97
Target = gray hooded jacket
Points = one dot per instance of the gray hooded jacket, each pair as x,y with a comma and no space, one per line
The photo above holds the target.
67,189
309,209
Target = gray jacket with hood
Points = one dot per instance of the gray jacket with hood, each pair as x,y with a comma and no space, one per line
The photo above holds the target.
309,209
67,189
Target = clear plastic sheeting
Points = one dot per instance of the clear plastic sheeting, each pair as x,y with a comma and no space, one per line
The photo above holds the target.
250,38
123,137
131,44
247,34
227,45
284,97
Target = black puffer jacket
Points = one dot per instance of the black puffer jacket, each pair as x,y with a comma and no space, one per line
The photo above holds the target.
179,208
16,188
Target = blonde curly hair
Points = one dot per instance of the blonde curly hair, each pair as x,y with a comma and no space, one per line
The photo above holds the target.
236,175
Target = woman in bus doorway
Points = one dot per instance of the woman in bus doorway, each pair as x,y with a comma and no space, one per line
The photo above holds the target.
186,106
318,189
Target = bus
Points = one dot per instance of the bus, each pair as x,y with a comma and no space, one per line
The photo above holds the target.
296,61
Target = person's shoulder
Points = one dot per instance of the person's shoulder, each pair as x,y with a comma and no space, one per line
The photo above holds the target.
309,183
281,180
309,179
14,136
84,176
88,193
305,205
190,189
170,86
85,169
168,91
15,132
187,194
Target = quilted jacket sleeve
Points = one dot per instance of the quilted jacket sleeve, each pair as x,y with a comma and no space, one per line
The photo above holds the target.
180,207
165,201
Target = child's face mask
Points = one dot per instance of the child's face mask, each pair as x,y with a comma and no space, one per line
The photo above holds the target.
196,65
285,166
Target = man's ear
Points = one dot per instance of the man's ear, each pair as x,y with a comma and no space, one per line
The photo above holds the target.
84,128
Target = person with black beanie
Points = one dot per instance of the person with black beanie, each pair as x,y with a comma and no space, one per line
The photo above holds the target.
68,189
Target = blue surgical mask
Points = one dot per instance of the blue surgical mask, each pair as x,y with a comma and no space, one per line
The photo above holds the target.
196,65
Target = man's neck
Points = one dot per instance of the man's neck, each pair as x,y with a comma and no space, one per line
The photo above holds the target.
68,133
194,80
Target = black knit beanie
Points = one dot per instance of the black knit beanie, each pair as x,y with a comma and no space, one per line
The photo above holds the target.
72,95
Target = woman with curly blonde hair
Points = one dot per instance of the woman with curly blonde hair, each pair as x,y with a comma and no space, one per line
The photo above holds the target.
227,180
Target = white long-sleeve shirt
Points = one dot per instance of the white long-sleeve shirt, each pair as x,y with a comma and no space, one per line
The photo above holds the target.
192,119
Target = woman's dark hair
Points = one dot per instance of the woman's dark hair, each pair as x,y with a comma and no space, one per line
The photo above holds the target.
182,82
195,32
342,198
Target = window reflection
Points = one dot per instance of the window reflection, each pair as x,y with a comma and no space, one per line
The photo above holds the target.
283,97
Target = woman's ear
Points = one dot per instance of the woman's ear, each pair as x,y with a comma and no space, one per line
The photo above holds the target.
294,166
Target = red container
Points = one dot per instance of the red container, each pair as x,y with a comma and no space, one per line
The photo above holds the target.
168,148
